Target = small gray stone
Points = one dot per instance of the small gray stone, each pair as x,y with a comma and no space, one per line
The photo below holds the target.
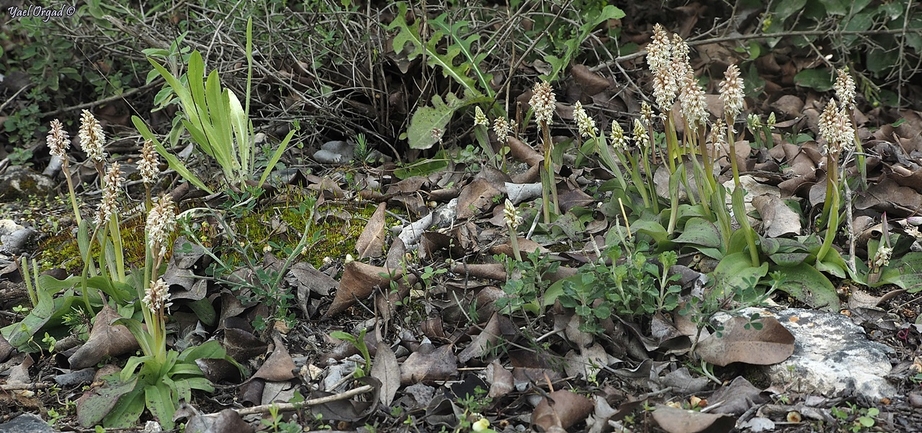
20,183
831,354
26,423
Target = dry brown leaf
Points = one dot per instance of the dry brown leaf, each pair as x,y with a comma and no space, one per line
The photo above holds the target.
426,365
499,328
737,397
789,106
771,344
385,369
572,197
432,242
279,366
888,196
5,349
777,218
526,246
106,340
688,421
500,380
226,421
478,196
370,243
560,410
524,153
589,82
358,282
242,344
489,271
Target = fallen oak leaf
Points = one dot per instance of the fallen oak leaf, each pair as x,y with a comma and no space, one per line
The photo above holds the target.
560,410
740,341
358,282
688,421
106,340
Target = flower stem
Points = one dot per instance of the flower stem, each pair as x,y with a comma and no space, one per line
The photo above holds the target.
832,199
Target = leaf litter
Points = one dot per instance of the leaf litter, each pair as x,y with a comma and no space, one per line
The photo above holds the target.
554,375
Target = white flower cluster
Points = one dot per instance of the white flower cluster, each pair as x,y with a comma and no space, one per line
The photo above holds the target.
157,296
845,89
92,137
148,163
585,123
731,92
502,128
112,184
543,102
836,128
161,220
58,140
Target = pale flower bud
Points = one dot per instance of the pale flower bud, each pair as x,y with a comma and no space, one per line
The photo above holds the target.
641,138
157,296
480,119
617,136
511,215
480,425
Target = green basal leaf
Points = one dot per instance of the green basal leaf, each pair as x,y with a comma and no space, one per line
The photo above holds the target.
204,311
650,228
905,272
735,273
817,79
239,124
162,403
810,286
786,8
208,350
274,159
833,263
114,399
788,259
699,232
422,168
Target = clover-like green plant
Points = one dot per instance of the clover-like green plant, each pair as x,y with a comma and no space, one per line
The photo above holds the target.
216,121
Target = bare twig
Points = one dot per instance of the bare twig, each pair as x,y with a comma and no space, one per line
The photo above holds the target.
15,95
288,407
24,386
642,53
112,98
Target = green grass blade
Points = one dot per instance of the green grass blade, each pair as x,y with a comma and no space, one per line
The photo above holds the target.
275,157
